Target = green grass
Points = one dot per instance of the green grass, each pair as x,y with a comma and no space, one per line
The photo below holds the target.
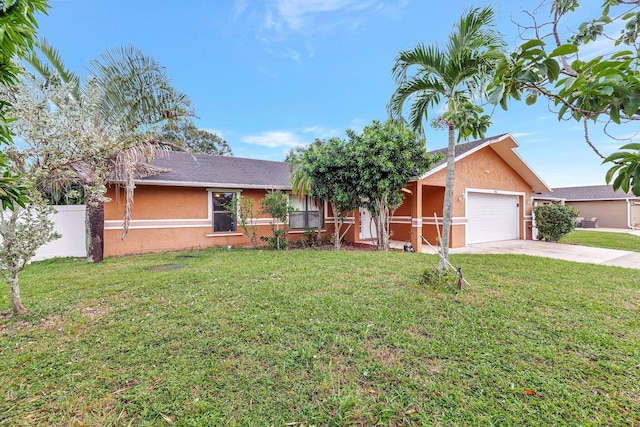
603,239
261,338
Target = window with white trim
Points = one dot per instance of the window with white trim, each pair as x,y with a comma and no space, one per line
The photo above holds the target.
306,214
222,219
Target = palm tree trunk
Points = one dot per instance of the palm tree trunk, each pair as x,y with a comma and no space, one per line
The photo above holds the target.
95,231
16,303
447,209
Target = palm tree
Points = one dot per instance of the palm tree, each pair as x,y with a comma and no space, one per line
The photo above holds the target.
300,181
132,93
456,76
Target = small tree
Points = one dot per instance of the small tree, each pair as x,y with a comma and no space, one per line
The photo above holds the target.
555,220
276,204
242,210
387,156
330,169
23,231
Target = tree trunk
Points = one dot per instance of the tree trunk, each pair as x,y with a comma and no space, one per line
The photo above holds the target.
447,209
16,303
95,228
337,225
381,224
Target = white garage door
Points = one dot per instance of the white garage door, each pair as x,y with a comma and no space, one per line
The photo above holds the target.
491,217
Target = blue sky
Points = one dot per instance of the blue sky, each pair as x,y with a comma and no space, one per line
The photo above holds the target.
269,75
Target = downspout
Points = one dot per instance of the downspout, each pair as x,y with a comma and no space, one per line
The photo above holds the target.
629,222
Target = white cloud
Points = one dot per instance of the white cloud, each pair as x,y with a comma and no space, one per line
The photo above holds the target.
322,132
296,13
239,6
275,139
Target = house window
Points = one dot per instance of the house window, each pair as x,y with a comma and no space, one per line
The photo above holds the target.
306,214
223,220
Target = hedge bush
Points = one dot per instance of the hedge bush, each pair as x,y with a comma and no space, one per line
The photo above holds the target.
555,220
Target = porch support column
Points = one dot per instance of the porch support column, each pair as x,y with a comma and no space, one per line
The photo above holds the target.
416,216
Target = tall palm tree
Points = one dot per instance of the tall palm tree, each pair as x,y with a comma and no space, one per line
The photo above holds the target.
455,78
132,94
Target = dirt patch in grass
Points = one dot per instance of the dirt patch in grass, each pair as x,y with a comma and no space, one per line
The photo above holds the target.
12,328
166,267
93,311
386,356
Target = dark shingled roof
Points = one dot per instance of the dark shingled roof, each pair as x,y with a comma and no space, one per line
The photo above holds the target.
592,192
207,170
462,148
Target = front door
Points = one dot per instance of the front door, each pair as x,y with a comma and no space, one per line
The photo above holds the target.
367,225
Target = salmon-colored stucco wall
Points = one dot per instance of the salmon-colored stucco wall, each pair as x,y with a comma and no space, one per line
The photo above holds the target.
170,218
482,170
156,202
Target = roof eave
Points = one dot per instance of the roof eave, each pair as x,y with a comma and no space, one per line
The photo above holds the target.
210,184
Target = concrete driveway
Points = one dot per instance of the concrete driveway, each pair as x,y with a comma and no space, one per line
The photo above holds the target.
565,252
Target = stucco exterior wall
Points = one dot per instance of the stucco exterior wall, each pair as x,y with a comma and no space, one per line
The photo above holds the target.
482,170
610,213
172,218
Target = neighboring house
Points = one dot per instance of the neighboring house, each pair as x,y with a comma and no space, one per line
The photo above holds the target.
613,209
182,208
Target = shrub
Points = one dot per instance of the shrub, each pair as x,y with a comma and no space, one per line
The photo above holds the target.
310,238
276,204
554,221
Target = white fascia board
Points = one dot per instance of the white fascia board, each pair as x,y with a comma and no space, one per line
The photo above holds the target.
209,184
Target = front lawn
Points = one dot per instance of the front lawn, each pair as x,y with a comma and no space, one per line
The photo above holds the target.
603,239
301,338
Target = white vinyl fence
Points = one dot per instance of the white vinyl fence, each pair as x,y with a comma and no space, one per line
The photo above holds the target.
70,223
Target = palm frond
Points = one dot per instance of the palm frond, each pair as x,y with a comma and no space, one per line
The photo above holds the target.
137,93
53,68
135,162
463,67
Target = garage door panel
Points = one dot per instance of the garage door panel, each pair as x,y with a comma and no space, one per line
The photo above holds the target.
491,217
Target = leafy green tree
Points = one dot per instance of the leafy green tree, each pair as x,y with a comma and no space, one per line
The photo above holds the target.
604,88
276,204
627,168
96,132
387,155
454,78
555,220
328,172
18,27
186,134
